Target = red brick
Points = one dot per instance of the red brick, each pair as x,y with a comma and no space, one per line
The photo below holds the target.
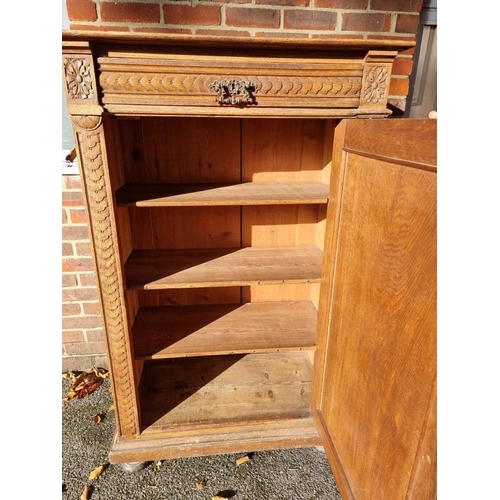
223,32
71,309
331,36
130,12
257,18
81,10
77,265
73,323
71,233
72,199
67,249
101,362
366,22
78,216
406,23
281,34
83,250
64,216
91,308
163,30
310,19
231,1
397,5
399,87
72,182
82,348
69,280
341,4
285,3
402,66
95,336
79,294
206,15
88,279
79,363
95,27
72,336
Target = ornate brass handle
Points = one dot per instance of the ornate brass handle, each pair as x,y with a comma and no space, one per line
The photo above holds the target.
234,92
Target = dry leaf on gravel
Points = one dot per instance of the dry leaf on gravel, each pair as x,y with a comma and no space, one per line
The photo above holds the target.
86,492
200,485
96,472
217,497
84,383
242,460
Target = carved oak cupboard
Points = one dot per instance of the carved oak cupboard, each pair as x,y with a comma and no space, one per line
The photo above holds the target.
259,291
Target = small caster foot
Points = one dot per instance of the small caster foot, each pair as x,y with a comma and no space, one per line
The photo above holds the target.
134,466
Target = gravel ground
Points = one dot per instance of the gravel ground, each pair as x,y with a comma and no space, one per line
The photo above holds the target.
299,474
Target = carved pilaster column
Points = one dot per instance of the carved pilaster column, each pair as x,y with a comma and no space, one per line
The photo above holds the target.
86,116
89,140
376,81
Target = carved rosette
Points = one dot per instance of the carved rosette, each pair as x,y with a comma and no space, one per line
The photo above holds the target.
376,84
89,137
78,77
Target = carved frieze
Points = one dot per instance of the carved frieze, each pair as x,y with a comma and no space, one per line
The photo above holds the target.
186,84
90,139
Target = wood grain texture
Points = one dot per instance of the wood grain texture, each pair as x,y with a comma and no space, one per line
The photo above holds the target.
156,269
381,353
167,332
217,390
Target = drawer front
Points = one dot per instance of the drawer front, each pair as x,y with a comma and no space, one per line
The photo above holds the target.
241,84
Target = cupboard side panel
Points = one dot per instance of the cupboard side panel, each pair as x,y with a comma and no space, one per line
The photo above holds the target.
381,359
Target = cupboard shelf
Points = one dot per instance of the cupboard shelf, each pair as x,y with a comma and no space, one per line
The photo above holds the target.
248,193
186,331
190,268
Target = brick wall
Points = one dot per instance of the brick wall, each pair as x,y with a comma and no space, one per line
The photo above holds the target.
83,345
82,334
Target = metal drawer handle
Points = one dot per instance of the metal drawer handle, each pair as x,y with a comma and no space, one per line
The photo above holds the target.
234,92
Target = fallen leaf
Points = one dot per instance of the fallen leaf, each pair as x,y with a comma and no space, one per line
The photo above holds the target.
217,497
86,492
242,460
201,485
96,472
98,419
83,383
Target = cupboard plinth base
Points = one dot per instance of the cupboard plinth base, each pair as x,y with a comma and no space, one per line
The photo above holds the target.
234,439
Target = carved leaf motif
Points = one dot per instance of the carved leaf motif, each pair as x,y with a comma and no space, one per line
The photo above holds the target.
199,83
78,78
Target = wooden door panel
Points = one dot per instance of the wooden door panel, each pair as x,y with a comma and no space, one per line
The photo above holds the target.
379,361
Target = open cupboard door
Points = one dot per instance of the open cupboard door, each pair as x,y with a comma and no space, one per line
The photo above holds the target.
374,399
